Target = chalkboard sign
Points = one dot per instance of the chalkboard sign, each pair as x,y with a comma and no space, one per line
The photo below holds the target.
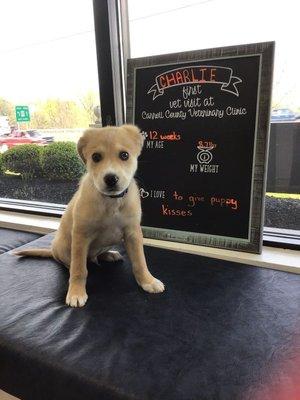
205,118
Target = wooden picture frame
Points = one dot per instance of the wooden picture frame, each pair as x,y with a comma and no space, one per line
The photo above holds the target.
228,56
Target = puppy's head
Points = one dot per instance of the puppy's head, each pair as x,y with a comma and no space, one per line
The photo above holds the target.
110,155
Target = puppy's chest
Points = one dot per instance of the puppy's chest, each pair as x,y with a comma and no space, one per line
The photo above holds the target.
108,227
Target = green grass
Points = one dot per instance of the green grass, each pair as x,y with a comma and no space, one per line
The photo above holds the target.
284,195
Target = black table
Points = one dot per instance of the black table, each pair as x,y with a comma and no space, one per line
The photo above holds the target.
219,331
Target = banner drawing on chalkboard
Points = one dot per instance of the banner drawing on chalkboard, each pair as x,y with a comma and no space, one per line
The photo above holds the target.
199,74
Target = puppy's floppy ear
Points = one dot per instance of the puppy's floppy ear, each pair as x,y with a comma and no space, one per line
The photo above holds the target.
80,147
135,133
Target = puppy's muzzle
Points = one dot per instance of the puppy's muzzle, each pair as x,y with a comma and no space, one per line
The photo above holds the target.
111,180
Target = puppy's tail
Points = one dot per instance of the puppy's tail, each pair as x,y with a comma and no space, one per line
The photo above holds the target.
45,253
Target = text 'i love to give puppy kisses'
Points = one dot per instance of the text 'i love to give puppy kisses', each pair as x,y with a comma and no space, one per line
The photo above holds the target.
189,202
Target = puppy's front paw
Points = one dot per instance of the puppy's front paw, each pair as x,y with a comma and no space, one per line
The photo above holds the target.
156,286
76,297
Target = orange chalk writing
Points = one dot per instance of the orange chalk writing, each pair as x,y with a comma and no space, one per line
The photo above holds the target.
177,196
188,75
169,136
171,212
193,200
206,145
162,81
224,202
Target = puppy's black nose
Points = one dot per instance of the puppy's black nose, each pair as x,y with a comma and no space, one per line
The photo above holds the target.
111,180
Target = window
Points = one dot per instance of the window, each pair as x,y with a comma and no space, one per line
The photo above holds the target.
181,25
48,95
49,70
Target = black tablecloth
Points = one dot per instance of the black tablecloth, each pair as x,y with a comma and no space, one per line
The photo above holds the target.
10,239
219,331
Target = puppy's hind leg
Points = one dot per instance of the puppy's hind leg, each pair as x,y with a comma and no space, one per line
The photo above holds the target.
110,255
94,260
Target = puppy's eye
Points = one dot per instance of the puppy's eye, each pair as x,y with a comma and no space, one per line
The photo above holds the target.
124,155
96,157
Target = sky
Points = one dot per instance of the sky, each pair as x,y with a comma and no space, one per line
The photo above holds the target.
166,26
47,48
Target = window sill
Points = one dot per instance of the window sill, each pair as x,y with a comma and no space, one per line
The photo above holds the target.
28,222
271,257
274,258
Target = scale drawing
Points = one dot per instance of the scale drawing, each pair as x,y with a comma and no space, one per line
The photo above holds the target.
205,156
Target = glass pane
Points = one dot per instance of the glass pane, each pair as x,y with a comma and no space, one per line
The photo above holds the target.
48,93
181,25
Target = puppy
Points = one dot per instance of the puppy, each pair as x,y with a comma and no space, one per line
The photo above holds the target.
105,211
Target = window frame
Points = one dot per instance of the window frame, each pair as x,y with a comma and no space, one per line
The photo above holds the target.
112,46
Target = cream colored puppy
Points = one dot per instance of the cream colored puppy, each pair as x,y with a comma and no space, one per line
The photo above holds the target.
104,211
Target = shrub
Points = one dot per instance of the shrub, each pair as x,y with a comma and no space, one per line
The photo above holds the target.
2,168
60,161
24,159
